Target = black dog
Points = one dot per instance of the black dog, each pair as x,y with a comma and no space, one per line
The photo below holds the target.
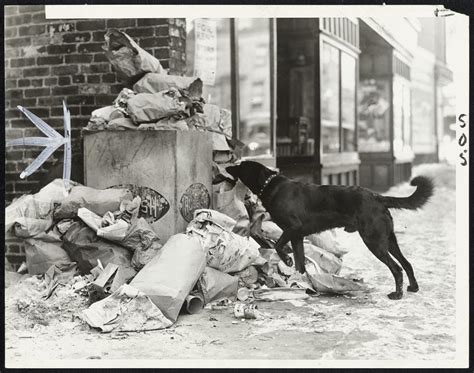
300,209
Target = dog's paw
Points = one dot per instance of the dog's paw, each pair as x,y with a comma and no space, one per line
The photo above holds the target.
413,289
395,295
288,261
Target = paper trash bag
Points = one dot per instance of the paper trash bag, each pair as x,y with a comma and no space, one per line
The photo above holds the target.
96,200
154,83
126,310
170,276
127,58
216,285
41,255
85,248
38,206
151,107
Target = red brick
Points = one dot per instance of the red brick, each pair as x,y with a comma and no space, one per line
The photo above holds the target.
38,17
21,19
161,53
22,62
31,30
26,187
90,47
139,32
100,57
162,31
121,23
61,49
23,83
71,90
98,36
93,78
81,100
79,58
77,37
11,83
95,68
13,73
36,71
64,80
31,8
37,82
12,113
18,42
87,110
78,79
14,133
153,42
50,81
14,94
11,32
152,21
64,70
90,25
37,92
26,102
109,78
50,60
10,10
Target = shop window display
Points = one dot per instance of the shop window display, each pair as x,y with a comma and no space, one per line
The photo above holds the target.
330,99
374,115
348,98
253,39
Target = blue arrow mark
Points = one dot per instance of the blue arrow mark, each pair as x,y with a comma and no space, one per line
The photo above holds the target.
52,142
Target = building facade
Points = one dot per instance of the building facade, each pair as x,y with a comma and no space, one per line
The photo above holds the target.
331,100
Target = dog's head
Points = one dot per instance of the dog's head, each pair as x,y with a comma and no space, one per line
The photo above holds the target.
252,174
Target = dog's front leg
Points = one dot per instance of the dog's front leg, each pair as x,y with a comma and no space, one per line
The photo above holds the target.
298,252
282,241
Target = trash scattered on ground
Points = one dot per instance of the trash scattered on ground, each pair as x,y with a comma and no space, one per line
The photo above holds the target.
92,249
245,311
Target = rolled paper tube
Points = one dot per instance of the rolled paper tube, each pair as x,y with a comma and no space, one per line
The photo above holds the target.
194,303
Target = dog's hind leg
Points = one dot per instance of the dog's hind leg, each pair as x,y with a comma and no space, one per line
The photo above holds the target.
394,249
379,249
298,252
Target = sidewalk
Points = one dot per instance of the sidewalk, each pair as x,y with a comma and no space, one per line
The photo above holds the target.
369,326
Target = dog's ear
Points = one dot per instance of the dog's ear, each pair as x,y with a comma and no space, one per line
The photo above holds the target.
233,170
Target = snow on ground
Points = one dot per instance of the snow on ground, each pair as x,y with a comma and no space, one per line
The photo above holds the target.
363,326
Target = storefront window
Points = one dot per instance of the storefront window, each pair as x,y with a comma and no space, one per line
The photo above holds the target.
208,57
374,116
253,37
406,115
348,97
401,115
330,99
397,115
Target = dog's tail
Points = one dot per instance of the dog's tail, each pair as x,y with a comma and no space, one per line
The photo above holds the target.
423,192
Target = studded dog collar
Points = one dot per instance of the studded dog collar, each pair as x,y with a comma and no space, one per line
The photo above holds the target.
265,184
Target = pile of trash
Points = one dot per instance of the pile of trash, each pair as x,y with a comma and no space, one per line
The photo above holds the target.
93,243
154,100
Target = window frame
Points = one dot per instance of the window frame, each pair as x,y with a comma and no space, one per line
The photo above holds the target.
268,159
354,53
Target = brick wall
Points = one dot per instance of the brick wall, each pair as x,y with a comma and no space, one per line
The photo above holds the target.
47,61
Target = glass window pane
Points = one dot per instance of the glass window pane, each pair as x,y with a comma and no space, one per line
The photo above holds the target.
253,36
348,85
406,115
374,115
209,57
330,99
397,115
